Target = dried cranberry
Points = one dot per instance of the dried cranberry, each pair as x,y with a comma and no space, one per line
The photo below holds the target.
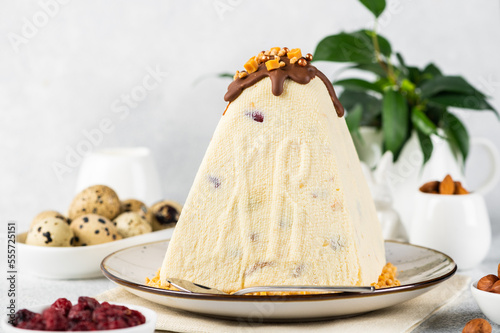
255,115
87,315
112,324
63,305
34,323
136,318
23,315
79,313
88,303
110,316
82,326
215,181
54,320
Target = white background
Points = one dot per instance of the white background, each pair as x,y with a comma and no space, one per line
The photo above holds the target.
65,78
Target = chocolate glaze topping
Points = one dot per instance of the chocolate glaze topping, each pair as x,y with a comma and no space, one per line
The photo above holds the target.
297,73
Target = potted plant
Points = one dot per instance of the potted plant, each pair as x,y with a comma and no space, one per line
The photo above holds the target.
400,99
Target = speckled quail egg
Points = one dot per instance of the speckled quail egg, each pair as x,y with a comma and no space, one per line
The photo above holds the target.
97,199
132,224
51,231
48,213
133,205
165,214
93,229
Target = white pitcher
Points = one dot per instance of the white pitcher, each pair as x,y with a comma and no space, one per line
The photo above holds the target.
130,171
407,174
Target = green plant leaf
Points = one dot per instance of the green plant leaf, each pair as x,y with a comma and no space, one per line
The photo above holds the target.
414,74
450,84
371,106
462,101
456,133
432,70
375,6
394,121
426,145
402,64
358,84
353,119
351,47
374,68
422,123
228,75
435,113
400,59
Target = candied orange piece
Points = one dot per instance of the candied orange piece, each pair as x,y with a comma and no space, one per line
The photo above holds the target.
272,64
251,65
297,53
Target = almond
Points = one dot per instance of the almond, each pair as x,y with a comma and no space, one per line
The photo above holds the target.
430,187
447,186
477,325
487,282
459,189
495,288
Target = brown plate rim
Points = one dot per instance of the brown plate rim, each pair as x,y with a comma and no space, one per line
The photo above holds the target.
288,298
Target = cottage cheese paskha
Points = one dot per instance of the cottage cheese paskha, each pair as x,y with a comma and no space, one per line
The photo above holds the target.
279,198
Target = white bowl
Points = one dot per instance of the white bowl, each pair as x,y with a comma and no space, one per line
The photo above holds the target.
148,326
488,302
80,262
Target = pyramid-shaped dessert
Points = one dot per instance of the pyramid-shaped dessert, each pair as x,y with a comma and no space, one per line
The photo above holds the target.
280,198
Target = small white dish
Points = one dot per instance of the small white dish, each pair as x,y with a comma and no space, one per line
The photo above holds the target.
147,327
489,303
457,225
420,269
80,262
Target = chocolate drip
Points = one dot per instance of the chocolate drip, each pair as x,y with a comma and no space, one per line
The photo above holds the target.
297,73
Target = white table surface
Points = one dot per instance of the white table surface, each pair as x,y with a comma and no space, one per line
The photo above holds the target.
33,290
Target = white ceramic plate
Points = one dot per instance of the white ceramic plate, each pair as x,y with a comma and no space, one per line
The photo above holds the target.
420,269
148,326
80,262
